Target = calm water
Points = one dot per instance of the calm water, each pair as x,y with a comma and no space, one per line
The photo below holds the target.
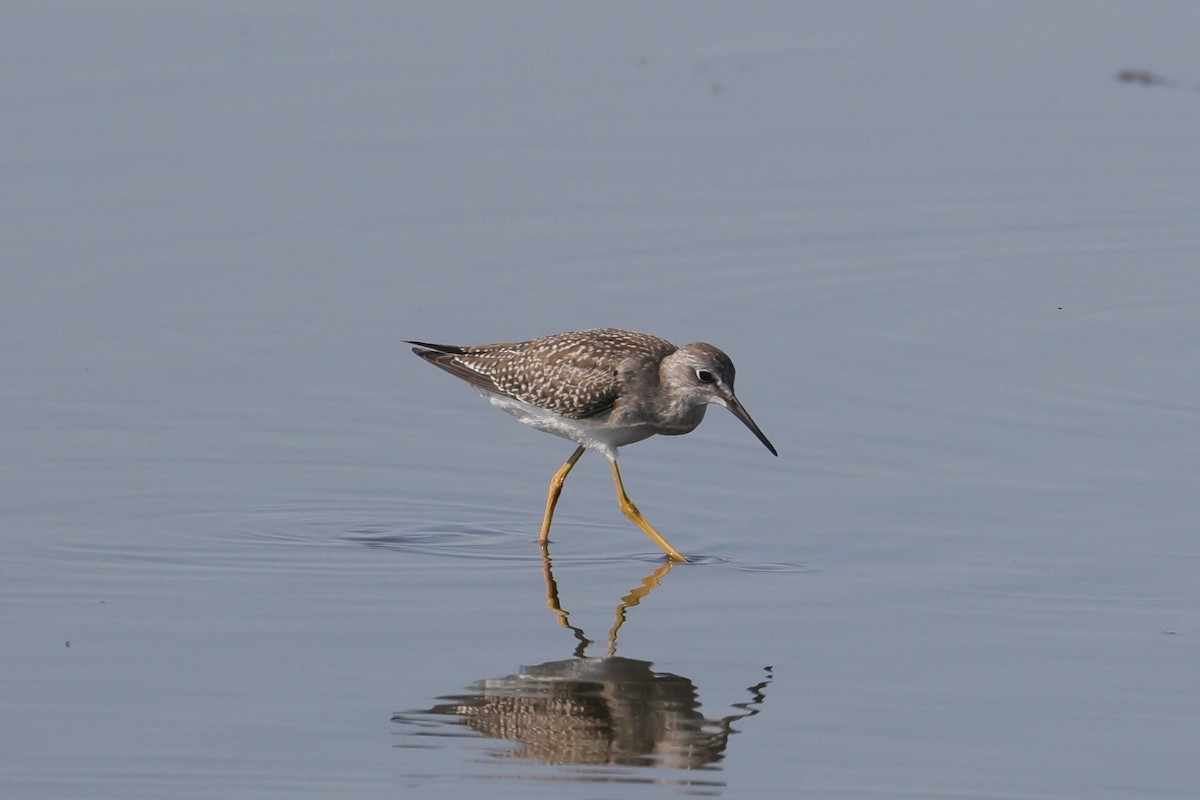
253,548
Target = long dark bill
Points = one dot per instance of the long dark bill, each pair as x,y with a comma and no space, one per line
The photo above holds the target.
739,411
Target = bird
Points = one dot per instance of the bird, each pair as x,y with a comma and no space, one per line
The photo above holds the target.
601,388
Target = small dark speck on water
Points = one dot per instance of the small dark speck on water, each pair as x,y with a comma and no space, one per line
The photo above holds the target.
1145,77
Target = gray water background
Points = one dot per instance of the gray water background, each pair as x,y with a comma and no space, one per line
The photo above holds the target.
248,540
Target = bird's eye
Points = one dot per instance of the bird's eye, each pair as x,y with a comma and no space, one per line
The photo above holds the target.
704,376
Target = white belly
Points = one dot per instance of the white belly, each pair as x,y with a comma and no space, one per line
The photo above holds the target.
594,434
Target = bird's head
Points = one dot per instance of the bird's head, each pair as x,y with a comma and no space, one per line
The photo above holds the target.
699,373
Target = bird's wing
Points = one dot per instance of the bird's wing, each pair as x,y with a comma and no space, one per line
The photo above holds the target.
576,375
451,358
573,380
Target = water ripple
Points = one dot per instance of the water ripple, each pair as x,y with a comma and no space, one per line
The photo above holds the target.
289,535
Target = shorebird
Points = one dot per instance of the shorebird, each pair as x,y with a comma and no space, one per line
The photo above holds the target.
602,389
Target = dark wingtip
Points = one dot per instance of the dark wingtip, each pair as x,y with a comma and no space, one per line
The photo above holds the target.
424,348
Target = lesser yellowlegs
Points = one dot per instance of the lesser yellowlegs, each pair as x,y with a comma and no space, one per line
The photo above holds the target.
601,389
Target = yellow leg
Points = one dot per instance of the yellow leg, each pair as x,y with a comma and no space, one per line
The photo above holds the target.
632,512
556,484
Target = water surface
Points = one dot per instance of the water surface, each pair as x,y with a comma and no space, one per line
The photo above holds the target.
254,548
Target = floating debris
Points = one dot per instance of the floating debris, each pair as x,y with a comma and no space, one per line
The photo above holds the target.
1145,77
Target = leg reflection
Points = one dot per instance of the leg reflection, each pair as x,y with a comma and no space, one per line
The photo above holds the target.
648,584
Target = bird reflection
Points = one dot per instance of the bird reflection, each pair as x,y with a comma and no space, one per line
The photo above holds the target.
595,710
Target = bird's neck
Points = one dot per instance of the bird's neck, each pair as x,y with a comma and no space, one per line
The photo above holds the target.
684,420
677,412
